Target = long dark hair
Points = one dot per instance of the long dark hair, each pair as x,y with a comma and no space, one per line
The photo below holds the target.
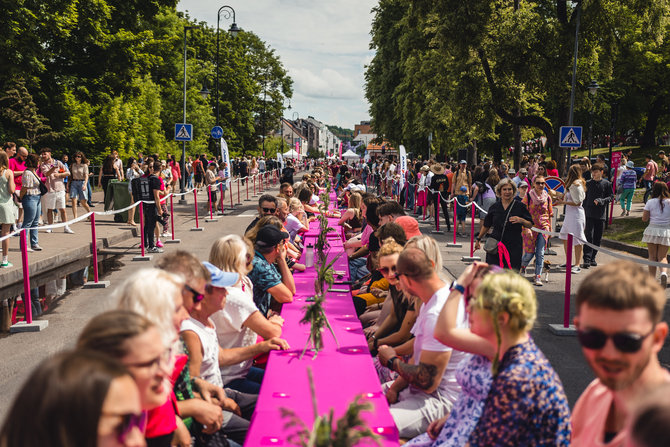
61,402
84,160
660,191
574,174
108,165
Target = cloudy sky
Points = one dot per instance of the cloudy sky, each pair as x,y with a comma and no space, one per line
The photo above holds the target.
323,45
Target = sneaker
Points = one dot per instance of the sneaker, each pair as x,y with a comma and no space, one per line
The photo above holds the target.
159,244
48,231
594,264
154,250
576,269
623,212
538,280
36,247
6,265
562,266
586,265
628,213
68,230
664,280
522,270
165,234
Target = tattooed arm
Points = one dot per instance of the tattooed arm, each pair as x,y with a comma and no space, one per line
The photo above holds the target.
428,373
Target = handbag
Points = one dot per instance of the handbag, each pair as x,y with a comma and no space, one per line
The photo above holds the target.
42,186
491,245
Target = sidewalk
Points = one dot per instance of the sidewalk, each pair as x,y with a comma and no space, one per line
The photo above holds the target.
60,248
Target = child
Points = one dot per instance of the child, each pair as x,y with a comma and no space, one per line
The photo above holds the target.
461,201
395,192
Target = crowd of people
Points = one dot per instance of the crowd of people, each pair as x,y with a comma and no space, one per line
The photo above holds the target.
181,359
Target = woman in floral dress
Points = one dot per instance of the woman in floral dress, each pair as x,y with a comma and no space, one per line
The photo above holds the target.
540,207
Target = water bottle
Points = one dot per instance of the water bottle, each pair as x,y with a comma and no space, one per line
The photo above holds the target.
309,256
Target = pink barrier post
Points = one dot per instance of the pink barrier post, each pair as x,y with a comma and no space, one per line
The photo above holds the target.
407,194
472,231
416,189
27,301
455,221
142,227
231,197
613,199
209,195
254,177
239,201
195,199
568,278
221,188
94,249
247,189
172,215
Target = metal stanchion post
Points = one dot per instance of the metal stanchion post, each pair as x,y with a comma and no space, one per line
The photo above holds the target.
209,198
455,244
472,256
142,256
197,226
28,325
96,284
173,240
566,328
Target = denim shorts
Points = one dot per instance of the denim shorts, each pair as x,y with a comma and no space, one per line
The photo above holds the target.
77,190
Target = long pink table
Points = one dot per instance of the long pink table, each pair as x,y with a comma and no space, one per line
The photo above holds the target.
340,374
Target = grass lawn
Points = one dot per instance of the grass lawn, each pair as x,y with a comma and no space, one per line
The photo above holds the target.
638,153
626,229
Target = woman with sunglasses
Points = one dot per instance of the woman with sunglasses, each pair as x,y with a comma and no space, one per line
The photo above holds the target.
538,202
526,404
575,217
239,323
394,330
79,183
76,399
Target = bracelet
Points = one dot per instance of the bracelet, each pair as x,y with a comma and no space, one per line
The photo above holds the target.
390,362
457,286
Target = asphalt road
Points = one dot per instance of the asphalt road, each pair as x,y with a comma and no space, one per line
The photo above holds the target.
21,352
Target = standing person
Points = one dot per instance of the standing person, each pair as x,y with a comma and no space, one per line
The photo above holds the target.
198,172
650,170
462,177
462,200
17,165
243,169
65,159
188,166
538,202
30,199
132,173
598,197
55,172
575,218
421,190
628,183
147,188
657,234
106,175
7,208
621,330
287,173
79,182
223,167
505,219
439,184
118,166
211,180
551,168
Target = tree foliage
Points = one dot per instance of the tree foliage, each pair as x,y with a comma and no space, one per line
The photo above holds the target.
108,74
466,70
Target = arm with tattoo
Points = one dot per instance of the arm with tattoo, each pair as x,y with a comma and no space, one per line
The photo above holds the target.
421,376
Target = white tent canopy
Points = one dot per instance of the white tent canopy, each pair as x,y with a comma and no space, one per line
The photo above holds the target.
291,154
350,154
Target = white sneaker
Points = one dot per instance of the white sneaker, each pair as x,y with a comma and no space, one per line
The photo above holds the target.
48,230
576,269
538,280
68,230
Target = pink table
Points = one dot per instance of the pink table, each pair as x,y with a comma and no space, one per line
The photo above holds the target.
340,374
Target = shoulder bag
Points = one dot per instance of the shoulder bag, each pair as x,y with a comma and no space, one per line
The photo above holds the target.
491,245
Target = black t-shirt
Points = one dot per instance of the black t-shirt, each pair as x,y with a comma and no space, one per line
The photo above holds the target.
243,168
439,182
495,220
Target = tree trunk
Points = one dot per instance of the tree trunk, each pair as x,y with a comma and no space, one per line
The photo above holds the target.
472,153
655,112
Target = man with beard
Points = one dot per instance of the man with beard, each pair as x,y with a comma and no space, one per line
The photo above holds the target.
620,308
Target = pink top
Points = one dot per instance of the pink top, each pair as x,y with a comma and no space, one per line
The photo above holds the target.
552,172
589,417
14,165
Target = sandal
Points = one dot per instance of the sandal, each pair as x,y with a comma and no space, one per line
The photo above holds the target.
132,223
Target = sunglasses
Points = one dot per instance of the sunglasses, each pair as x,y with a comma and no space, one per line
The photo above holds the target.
386,270
269,210
128,422
197,296
623,341
540,183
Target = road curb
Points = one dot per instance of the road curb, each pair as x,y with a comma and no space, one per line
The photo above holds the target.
628,248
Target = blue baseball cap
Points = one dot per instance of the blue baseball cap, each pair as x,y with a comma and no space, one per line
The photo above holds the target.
221,278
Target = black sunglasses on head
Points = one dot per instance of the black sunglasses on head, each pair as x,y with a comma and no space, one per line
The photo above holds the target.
627,342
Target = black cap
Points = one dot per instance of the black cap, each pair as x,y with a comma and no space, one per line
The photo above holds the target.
269,236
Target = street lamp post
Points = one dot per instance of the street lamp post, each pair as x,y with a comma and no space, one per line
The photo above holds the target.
234,30
182,182
593,89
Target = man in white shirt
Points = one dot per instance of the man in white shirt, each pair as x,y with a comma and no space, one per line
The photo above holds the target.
55,173
426,388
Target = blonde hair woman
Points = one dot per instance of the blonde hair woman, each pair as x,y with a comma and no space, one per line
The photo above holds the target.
351,218
525,404
239,322
575,218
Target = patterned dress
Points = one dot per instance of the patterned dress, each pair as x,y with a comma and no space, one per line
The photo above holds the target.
526,405
474,377
540,211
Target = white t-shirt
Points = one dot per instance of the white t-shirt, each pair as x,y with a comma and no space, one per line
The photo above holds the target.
314,200
230,331
209,369
292,225
656,216
425,341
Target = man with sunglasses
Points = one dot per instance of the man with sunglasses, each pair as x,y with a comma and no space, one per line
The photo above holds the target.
267,206
620,308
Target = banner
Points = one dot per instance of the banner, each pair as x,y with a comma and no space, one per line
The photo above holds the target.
403,165
280,161
297,149
225,157
340,156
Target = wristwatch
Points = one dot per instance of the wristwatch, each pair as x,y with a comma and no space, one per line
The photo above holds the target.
375,341
457,286
389,364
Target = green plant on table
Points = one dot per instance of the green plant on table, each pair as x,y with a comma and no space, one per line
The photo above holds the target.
349,430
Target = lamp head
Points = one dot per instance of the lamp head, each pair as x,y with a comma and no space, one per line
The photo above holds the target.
234,30
593,87
204,92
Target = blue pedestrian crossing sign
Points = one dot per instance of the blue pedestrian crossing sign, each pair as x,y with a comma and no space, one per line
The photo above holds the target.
183,132
571,136
217,132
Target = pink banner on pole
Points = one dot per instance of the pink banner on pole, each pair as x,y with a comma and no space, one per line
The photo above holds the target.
340,154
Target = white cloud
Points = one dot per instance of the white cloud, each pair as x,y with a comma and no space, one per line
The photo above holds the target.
323,45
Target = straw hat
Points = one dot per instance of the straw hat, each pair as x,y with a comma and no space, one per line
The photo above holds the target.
437,169
424,168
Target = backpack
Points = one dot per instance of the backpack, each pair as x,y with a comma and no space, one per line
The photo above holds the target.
141,189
